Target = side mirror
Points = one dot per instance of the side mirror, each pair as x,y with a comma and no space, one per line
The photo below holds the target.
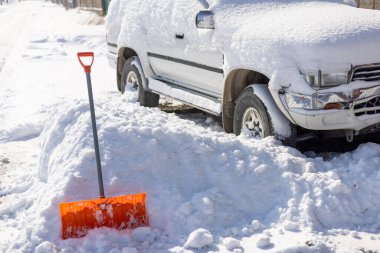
205,20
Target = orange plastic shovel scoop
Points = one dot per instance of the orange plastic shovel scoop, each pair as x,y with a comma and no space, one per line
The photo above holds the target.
121,212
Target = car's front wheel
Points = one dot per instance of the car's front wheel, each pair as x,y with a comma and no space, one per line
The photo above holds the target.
132,78
251,116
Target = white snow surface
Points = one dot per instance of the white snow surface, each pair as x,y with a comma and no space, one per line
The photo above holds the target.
268,197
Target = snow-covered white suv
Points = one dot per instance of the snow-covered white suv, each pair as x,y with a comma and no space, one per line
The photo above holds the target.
267,67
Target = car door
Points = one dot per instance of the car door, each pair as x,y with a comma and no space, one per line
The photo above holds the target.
158,33
197,64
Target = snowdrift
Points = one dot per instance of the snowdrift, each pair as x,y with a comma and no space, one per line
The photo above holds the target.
205,188
194,178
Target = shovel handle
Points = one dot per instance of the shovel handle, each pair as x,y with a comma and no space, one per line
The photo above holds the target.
87,68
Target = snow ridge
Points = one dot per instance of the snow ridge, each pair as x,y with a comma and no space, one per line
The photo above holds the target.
198,178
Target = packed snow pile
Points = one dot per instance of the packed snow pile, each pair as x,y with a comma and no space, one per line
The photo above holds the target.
207,190
194,178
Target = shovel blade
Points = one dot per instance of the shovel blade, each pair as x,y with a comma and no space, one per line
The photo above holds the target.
121,212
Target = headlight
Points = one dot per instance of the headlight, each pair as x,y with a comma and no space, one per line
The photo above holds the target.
317,101
324,80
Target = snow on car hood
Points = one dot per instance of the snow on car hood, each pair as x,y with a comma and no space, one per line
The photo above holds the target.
304,35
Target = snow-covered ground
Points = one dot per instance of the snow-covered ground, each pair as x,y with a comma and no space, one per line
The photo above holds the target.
206,189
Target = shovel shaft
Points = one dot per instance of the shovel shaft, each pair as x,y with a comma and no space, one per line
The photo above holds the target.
95,134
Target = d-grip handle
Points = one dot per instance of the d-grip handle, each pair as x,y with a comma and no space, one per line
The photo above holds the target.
87,68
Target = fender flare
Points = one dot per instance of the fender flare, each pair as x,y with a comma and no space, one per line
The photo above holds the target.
281,125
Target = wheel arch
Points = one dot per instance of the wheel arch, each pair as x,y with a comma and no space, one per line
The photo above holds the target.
281,125
236,81
123,54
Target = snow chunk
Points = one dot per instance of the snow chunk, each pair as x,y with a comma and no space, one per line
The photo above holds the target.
231,243
291,226
199,239
354,234
263,242
256,225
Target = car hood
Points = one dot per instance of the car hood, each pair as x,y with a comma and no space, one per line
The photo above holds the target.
306,35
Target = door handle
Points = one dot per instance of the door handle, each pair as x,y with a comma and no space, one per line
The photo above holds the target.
179,36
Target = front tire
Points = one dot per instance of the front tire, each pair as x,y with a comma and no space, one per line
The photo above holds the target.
131,75
251,116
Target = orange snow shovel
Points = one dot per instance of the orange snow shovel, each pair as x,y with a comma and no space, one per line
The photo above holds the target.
121,212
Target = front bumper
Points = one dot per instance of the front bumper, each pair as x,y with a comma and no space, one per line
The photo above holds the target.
357,111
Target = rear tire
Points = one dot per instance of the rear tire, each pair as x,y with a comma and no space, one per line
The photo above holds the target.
131,75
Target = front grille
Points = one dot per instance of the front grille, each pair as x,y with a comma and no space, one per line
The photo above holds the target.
367,73
370,107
